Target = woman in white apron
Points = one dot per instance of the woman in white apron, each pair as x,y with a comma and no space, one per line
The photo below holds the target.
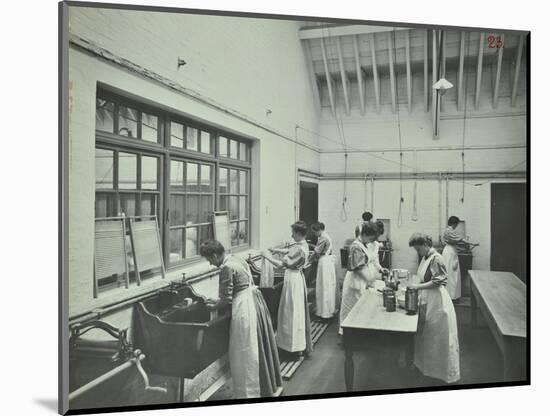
363,269
253,356
325,284
436,348
367,217
293,321
450,258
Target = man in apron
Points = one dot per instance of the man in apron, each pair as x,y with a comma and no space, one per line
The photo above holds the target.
436,349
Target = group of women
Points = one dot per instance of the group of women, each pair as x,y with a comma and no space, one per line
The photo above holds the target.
253,348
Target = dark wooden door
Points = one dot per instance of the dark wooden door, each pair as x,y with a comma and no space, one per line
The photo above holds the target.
309,206
509,228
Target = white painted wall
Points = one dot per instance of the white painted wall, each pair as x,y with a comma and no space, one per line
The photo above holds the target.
248,65
476,211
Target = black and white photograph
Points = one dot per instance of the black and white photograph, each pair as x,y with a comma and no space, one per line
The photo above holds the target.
263,208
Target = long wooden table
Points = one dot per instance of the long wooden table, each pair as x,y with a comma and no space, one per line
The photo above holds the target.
501,296
369,322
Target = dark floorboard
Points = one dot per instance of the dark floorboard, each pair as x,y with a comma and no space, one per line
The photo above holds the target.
377,368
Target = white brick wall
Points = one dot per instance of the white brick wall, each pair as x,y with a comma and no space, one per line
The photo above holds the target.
248,65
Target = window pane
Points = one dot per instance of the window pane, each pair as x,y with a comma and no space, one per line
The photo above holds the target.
223,146
192,138
104,115
205,233
193,209
149,170
176,174
243,180
176,134
127,171
177,210
128,204
243,151
104,169
206,178
105,205
223,203
176,245
148,204
205,142
127,121
233,146
243,232
243,207
233,181
234,234
223,181
233,208
207,206
149,127
191,242
192,177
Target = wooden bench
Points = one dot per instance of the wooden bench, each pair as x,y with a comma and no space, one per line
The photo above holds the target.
501,296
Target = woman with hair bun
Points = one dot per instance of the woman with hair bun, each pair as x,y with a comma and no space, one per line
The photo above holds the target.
293,323
325,282
436,349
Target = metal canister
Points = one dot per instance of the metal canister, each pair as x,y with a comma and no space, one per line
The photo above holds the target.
390,302
385,292
411,300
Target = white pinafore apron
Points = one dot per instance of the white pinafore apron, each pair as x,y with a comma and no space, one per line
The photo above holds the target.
243,344
436,349
325,286
353,287
372,269
291,318
450,259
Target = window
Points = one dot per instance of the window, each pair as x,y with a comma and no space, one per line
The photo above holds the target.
234,198
152,162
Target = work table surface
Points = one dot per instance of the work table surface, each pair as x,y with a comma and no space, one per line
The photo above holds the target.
505,296
369,314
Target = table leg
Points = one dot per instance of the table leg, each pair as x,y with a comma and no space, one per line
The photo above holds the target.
349,368
515,359
473,310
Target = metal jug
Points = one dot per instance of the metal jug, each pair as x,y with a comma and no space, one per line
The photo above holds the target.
411,301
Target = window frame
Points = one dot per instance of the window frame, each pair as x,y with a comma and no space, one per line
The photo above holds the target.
165,152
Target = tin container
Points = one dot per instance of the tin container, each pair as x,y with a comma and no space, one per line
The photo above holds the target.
390,302
411,301
385,292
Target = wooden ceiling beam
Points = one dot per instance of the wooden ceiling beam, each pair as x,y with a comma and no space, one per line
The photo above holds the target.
460,92
392,72
409,75
497,75
343,75
375,73
479,69
348,30
426,86
517,69
328,77
359,71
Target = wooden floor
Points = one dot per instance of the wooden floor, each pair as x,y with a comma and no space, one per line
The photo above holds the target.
377,369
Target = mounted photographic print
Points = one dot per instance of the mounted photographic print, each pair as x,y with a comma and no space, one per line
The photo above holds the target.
268,208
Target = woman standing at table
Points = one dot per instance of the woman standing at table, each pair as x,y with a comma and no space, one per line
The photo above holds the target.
293,323
253,356
436,349
325,285
363,268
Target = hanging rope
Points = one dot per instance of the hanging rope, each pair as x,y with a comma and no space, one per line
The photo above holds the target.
415,213
401,199
464,128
